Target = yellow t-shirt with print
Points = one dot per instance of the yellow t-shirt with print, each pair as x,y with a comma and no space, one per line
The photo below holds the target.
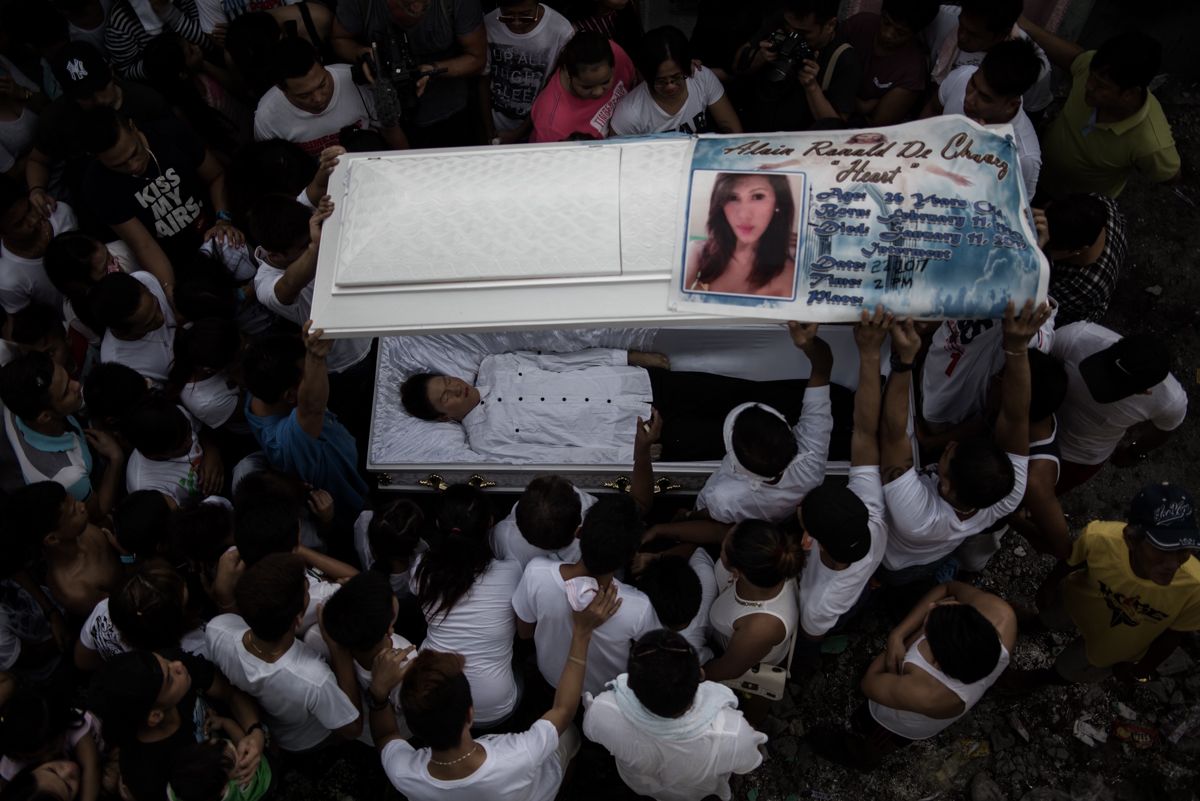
1118,613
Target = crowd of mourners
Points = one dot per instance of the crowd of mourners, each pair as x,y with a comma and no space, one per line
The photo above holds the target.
199,592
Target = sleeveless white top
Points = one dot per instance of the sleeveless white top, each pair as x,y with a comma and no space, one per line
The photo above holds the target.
728,607
916,726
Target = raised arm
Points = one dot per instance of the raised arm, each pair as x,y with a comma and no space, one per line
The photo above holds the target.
318,187
804,337
313,396
570,683
642,487
300,272
1012,426
895,447
1060,52
868,335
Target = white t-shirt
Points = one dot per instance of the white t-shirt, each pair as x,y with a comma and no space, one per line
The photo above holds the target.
541,598
481,627
518,767
732,495
960,363
24,281
508,543
520,63
924,526
697,631
683,769
826,595
100,635
151,356
349,105
345,352
943,31
298,693
1088,432
211,400
176,478
639,114
952,93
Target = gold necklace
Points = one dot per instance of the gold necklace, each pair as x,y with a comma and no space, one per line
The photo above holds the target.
442,764
262,653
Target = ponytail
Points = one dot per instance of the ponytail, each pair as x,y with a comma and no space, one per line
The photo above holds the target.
764,553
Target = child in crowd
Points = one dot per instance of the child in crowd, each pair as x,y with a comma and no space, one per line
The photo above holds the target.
168,454
307,702
549,591
359,618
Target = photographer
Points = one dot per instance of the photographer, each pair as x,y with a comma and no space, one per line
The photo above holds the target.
441,35
801,70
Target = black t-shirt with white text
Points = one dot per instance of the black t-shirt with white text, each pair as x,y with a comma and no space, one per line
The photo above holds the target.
168,197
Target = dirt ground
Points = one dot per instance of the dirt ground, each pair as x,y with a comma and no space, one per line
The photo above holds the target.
1024,749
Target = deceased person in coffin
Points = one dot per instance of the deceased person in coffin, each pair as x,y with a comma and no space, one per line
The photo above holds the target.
584,407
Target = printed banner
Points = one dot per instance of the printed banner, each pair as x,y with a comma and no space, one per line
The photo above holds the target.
929,218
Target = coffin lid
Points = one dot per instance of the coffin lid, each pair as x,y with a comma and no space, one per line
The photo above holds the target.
479,239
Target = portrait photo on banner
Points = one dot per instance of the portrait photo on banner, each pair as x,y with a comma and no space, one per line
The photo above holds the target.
741,237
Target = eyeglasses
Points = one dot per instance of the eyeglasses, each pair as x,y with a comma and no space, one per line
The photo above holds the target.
678,79
521,19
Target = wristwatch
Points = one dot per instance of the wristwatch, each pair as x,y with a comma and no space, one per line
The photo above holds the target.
899,366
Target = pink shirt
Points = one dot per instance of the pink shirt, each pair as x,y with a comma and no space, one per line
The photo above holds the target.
557,114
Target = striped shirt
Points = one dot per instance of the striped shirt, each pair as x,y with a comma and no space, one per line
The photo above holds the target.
126,38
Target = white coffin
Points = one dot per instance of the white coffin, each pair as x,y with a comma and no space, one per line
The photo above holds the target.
436,246
410,454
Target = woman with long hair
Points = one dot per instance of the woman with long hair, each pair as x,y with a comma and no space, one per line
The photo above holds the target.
466,595
750,245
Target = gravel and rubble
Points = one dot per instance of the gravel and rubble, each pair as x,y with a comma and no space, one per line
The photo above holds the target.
1108,742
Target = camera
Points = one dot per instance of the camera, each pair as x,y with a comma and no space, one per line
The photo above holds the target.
791,49
396,72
